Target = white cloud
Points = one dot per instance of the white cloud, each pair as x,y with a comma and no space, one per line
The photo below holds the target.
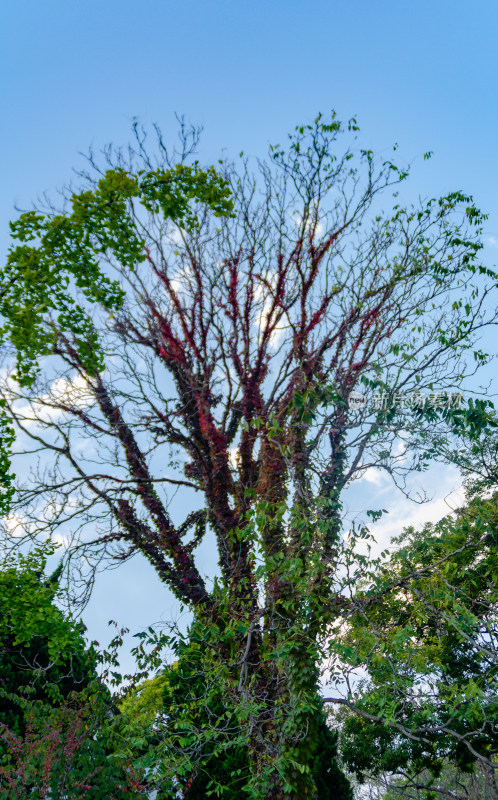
264,296
319,229
182,280
72,392
53,510
373,475
61,540
176,236
15,524
405,513
233,456
86,447
492,241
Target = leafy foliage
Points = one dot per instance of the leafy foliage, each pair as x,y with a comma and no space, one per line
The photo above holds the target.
430,647
219,326
43,655
7,436
183,728
60,252
53,710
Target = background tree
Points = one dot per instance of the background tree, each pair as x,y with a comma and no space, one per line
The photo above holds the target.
218,355
43,656
451,782
53,708
431,652
7,436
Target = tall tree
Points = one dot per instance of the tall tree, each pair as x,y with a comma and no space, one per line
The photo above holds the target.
218,355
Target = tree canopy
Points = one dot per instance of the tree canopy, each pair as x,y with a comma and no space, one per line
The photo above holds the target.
207,331
42,655
54,710
430,651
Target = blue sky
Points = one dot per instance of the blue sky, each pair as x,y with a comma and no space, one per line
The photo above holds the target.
423,74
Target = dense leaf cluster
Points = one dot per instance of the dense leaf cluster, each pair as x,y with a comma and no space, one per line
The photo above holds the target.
59,253
54,712
431,650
